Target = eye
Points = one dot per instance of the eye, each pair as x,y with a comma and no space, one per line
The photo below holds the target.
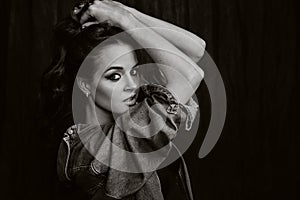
114,77
134,72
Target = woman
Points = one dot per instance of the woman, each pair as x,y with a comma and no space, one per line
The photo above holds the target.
123,121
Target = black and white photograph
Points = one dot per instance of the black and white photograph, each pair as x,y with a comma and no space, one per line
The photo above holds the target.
149,100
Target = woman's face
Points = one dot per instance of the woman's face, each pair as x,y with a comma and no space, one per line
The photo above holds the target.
117,88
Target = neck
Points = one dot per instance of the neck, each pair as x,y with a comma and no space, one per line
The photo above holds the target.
96,115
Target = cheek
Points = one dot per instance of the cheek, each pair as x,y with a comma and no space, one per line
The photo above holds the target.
109,95
103,96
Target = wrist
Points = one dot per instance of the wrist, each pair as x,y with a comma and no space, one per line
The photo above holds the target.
132,10
127,22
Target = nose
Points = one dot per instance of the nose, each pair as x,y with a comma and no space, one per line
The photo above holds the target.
131,83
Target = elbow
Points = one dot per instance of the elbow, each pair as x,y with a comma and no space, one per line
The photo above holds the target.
201,50
200,75
202,44
197,78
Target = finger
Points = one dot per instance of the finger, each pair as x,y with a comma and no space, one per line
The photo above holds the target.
97,2
85,16
117,3
108,2
89,24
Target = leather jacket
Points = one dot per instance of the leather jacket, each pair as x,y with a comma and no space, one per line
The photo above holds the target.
94,159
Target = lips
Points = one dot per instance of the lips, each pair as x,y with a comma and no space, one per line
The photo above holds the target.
131,100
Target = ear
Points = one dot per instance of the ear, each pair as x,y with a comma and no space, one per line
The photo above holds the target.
83,85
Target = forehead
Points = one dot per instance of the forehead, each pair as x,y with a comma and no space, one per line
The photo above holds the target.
120,54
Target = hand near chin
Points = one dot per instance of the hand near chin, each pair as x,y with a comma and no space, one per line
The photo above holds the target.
106,11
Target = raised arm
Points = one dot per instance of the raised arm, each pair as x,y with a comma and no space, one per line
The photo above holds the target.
189,43
183,74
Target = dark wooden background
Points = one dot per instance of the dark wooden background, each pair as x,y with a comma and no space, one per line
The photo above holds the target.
254,44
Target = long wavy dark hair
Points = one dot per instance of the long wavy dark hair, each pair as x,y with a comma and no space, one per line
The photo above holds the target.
74,44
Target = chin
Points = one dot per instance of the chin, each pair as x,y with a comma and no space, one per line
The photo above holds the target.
121,110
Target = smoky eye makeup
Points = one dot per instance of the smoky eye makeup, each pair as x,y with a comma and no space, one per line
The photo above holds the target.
117,72
134,71
113,73
113,77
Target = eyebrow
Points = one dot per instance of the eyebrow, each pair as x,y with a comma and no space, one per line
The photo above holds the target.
114,67
119,67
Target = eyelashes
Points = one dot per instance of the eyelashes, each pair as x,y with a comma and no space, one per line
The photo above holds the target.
117,76
134,72
113,77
